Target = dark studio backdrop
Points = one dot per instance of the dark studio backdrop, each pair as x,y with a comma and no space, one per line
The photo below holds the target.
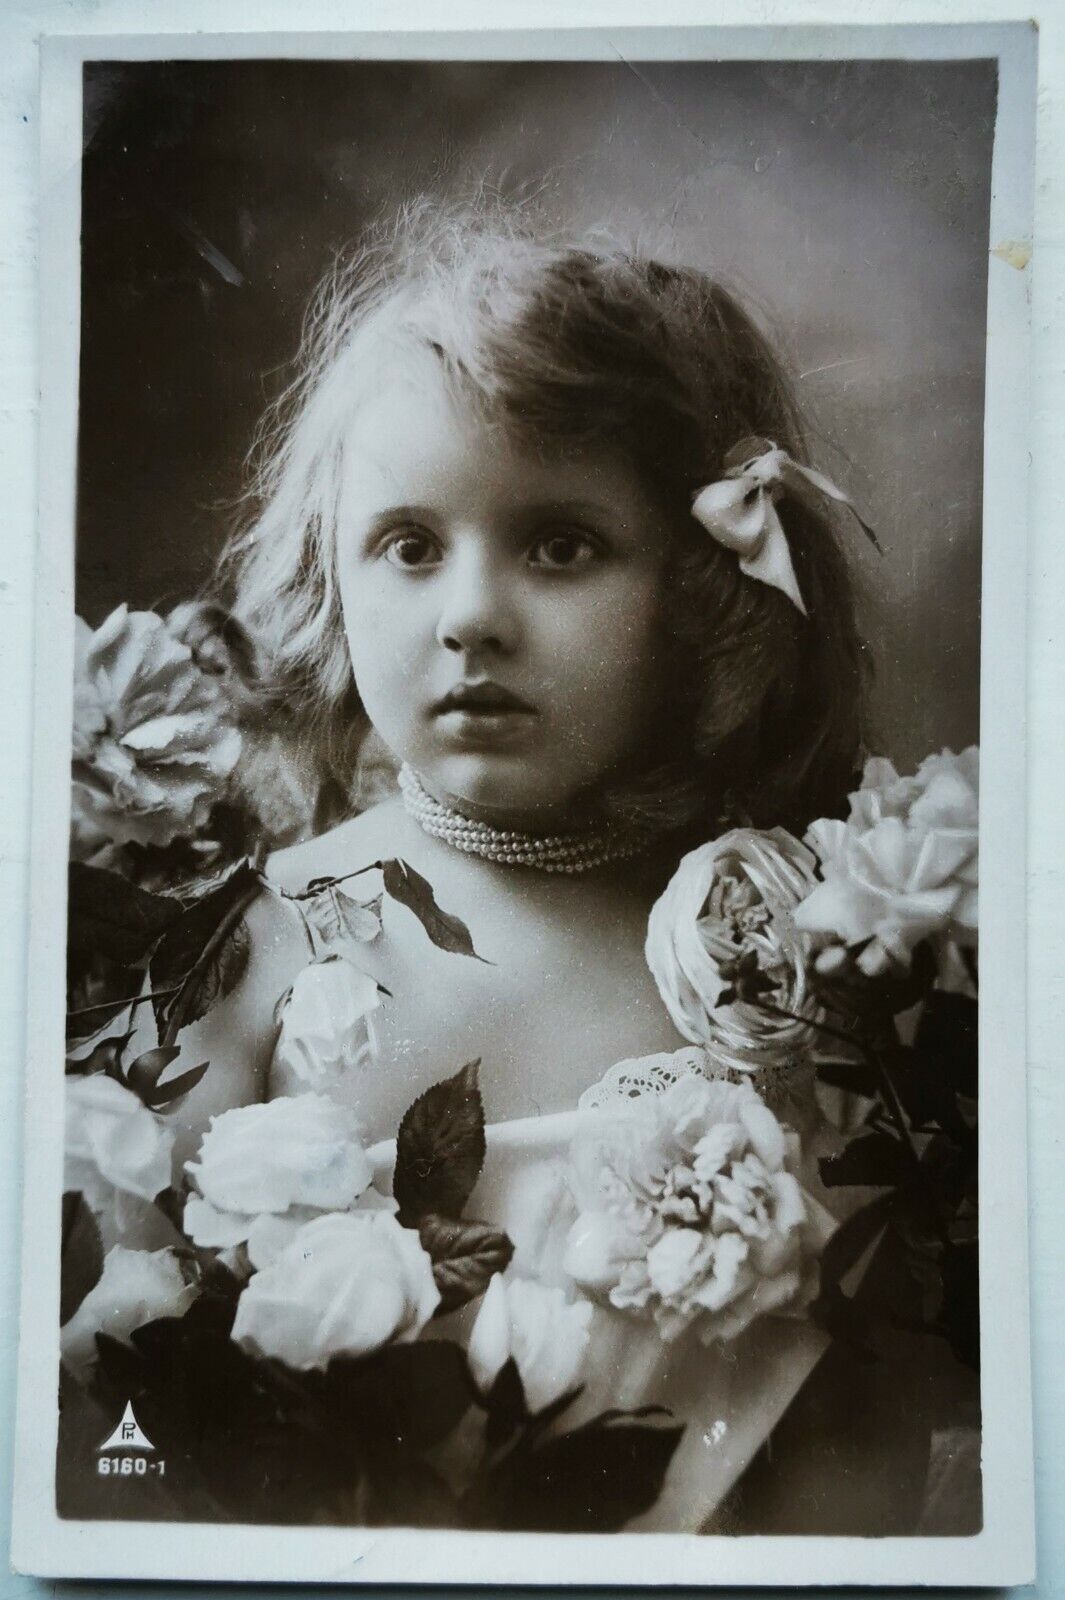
848,201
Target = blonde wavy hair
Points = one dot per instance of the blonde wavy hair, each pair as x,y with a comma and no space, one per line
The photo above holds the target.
572,342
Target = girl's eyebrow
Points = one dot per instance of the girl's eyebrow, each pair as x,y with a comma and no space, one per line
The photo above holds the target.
574,507
391,516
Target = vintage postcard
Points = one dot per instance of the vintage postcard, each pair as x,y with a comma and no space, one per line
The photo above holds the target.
528,822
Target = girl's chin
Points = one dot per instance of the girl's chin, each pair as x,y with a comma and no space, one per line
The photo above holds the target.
506,794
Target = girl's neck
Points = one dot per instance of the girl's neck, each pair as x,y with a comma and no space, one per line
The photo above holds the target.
561,847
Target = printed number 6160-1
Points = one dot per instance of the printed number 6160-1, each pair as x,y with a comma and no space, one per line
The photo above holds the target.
128,1467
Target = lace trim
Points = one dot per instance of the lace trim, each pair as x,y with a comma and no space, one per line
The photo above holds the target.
653,1075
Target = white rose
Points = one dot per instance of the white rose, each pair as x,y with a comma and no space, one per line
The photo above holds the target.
731,897
153,741
113,1142
903,868
545,1334
135,1287
346,1284
326,1024
300,1151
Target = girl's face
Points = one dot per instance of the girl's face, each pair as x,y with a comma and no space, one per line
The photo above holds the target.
501,608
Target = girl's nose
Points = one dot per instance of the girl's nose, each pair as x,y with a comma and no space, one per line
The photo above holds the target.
477,610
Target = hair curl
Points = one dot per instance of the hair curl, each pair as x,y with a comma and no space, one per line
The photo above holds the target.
574,343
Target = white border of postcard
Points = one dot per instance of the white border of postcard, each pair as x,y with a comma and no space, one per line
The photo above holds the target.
1003,1552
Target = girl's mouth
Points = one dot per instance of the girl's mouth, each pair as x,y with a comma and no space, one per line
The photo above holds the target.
483,699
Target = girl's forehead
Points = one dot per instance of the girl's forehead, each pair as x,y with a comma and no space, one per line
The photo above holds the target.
415,435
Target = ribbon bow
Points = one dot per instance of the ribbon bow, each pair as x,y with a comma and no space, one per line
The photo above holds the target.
740,510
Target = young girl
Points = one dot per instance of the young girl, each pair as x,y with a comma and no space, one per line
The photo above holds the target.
538,515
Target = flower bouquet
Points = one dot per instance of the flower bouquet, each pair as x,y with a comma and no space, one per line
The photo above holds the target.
580,1322
849,963
291,1263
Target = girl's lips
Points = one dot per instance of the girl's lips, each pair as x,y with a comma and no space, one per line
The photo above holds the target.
483,700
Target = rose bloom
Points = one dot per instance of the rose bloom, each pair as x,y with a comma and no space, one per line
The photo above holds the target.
735,895
537,1327
691,1212
113,1142
301,1150
904,866
326,1024
135,1287
346,1285
152,748
265,1235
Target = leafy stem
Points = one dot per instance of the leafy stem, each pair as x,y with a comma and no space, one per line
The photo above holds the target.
893,1104
315,887
891,1100
807,1022
187,989
304,924
133,1000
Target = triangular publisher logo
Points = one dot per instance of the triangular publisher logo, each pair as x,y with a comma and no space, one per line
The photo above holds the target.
129,1435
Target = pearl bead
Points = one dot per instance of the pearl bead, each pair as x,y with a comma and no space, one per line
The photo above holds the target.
554,852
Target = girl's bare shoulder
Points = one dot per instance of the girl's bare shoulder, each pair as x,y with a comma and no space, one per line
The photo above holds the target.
350,847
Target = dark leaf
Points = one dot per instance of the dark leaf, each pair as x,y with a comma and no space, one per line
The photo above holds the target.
845,1320
845,997
165,1094
218,1416
592,1480
120,1366
315,886
746,980
960,1315
279,1005
205,953
110,916
82,1259
899,991
856,1077
926,1092
853,995
440,1149
465,1257
874,1158
541,1420
215,974
143,1074
103,1057
220,1285
407,886
505,1404
852,1238
637,1414
401,1490
81,1027
171,1202
407,1396
947,1040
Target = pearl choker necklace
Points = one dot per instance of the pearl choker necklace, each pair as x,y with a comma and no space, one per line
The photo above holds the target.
576,851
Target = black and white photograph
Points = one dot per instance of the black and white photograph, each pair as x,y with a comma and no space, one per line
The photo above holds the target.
525,631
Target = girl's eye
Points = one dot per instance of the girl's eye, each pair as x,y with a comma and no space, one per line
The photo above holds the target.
564,550
412,548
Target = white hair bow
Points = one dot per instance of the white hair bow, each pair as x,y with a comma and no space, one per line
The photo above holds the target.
740,512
